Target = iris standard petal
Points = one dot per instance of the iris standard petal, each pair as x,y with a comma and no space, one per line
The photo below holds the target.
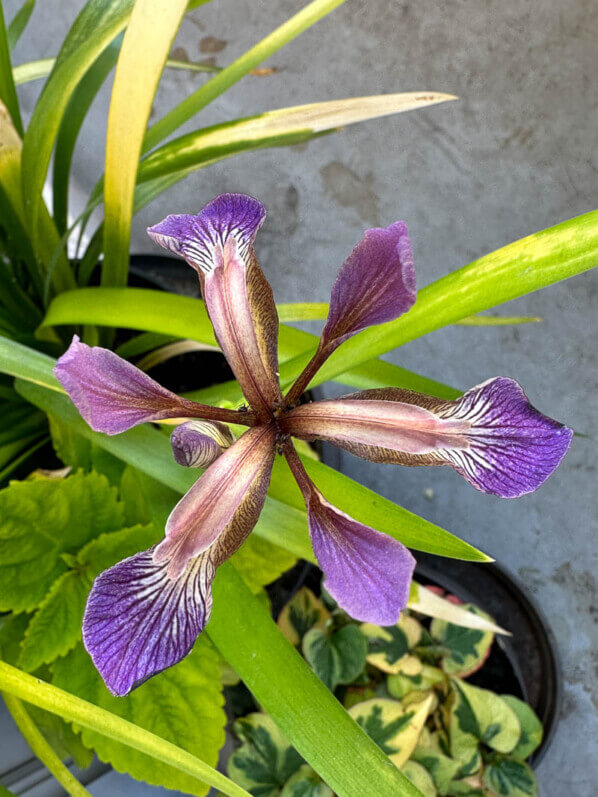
196,444
229,495
139,621
199,238
492,435
218,243
112,395
242,310
367,572
375,284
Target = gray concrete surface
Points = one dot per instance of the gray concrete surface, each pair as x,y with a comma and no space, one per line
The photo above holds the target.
515,155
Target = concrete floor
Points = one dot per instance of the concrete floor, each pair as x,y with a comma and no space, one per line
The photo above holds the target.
514,155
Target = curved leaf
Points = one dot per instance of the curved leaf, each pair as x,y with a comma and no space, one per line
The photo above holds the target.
149,36
282,127
95,27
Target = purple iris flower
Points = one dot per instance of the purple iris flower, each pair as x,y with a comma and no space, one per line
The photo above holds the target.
145,613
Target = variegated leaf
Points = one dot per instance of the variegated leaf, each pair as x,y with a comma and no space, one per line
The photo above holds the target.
388,646
394,729
265,760
338,658
420,778
303,612
531,727
478,715
467,648
505,776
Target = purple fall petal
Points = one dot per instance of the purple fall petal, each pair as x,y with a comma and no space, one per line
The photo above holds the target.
368,573
198,238
218,243
138,621
111,394
513,448
230,493
492,435
196,444
375,284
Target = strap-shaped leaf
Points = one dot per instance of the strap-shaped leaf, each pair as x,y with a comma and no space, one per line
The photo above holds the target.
57,701
8,93
184,317
523,266
96,26
149,36
192,104
277,128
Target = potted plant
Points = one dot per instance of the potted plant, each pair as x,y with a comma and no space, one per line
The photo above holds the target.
62,530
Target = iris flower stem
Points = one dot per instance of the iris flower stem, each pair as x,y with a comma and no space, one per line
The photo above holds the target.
42,749
208,413
297,468
305,377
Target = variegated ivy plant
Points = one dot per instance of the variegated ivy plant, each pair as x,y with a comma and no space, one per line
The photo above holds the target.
406,686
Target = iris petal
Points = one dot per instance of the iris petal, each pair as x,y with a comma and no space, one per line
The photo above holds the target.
196,444
367,572
375,284
139,621
218,243
229,494
492,435
112,395
199,238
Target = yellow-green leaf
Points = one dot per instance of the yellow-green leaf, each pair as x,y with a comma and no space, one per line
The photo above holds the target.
394,729
303,612
149,36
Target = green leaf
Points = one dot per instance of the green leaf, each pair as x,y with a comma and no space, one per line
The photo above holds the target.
388,646
72,121
69,446
309,715
184,317
481,715
368,507
282,127
441,767
203,96
96,26
142,57
303,612
338,658
55,628
19,22
531,727
265,760
62,703
260,562
394,729
190,713
12,631
527,265
60,735
306,783
42,749
420,778
8,93
467,648
505,776
42,519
